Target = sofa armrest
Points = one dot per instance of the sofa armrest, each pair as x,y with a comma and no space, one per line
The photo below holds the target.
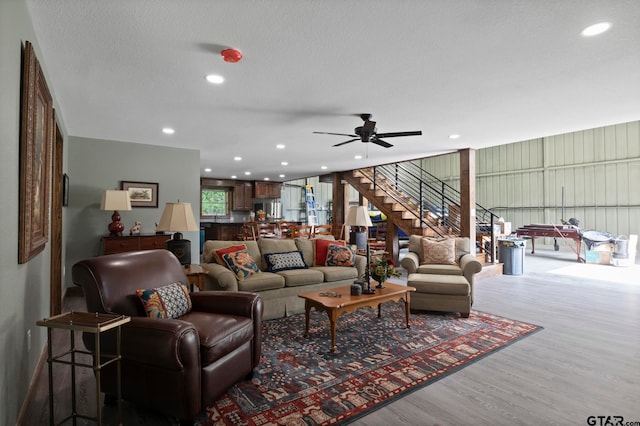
410,262
167,343
470,266
240,303
219,278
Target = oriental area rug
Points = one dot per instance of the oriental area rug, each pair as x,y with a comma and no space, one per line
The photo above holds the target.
300,382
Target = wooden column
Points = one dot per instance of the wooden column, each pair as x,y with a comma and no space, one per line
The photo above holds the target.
392,241
338,212
468,195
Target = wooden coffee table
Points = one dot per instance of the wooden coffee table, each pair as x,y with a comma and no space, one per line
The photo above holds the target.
343,302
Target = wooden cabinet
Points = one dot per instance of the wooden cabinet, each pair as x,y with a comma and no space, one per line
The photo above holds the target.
267,189
243,196
123,244
222,231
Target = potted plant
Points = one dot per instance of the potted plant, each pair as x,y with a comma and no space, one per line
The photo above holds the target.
381,268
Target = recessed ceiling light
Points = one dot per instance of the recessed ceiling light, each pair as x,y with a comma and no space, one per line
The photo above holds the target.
280,146
247,173
237,158
323,167
595,29
168,131
208,170
454,136
281,176
358,157
266,178
215,79
234,177
284,163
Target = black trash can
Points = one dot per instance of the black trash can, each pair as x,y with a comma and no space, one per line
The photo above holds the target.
511,255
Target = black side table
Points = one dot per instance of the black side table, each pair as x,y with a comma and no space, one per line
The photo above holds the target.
89,323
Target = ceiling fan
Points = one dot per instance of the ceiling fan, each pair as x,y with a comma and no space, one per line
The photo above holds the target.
367,133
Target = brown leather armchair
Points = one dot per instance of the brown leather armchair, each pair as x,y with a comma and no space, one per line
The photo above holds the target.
174,366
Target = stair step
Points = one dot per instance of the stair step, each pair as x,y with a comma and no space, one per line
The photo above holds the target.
489,270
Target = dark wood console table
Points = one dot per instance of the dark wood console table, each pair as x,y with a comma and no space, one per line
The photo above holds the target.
126,243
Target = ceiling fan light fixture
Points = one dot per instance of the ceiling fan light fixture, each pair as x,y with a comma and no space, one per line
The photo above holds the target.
231,55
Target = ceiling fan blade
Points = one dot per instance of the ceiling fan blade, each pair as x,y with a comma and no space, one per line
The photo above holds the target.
337,134
346,142
381,143
396,134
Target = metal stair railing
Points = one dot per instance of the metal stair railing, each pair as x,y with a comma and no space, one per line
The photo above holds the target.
408,180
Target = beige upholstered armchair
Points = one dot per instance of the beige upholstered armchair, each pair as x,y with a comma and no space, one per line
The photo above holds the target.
445,285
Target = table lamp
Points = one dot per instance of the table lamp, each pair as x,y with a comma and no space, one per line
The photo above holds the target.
358,217
178,218
113,199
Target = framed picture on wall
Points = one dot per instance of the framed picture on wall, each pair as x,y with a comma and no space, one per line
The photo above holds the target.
36,135
142,194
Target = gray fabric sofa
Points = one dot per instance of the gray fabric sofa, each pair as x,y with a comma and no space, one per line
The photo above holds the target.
279,291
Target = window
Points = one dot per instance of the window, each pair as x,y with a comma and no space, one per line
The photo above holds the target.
214,202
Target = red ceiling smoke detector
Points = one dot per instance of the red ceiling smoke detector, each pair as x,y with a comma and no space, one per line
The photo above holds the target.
231,55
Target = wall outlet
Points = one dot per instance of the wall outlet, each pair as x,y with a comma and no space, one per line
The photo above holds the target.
29,340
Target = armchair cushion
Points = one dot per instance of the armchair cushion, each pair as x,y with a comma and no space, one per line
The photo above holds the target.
169,301
241,263
441,252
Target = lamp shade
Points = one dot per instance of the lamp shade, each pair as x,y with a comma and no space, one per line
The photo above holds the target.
358,216
113,199
177,217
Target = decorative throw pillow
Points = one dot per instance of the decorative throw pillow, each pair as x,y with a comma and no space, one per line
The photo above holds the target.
322,246
241,263
285,261
441,252
217,254
340,256
170,301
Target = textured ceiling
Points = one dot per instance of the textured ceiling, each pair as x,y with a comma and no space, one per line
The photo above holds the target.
494,71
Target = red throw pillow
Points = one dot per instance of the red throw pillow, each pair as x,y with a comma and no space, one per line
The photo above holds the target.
218,253
322,246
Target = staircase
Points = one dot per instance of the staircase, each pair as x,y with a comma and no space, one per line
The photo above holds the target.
417,202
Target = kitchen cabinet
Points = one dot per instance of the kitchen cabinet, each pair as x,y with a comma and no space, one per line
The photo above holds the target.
243,196
267,189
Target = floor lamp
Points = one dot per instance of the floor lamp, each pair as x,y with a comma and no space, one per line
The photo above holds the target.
178,218
358,216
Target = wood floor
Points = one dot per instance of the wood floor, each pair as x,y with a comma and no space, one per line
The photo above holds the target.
586,361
